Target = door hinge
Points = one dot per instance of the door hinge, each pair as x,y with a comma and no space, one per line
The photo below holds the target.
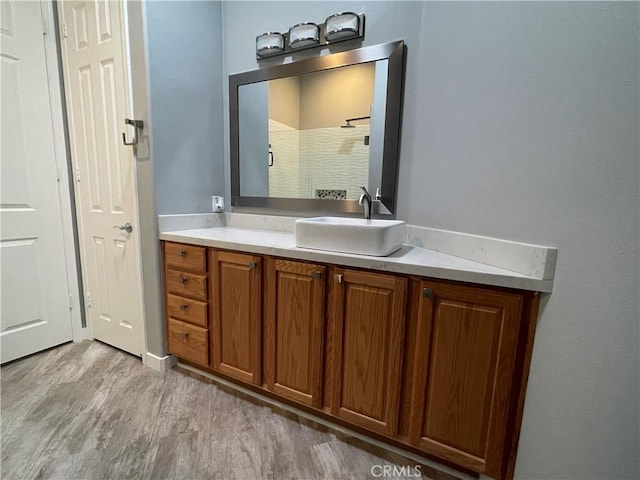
65,33
77,174
88,300
70,302
58,172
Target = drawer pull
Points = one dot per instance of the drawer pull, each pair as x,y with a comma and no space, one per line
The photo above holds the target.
316,275
252,265
182,253
427,293
337,278
183,306
183,280
184,335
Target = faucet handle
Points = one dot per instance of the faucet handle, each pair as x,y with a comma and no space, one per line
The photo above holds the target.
366,192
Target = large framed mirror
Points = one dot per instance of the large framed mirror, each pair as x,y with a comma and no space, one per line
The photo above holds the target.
307,135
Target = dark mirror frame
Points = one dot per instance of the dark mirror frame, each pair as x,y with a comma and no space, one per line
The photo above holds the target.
394,52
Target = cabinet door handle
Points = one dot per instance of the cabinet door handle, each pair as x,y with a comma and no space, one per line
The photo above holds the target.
183,280
427,293
337,278
182,253
183,306
252,265
316,275
184,335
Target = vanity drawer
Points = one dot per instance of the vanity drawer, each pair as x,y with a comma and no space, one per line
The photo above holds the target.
187,310
186,257
187,284
188,342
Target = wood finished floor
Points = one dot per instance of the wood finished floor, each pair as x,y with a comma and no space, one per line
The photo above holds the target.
88,411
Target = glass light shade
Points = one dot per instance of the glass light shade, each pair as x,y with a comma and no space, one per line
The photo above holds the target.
304,35
270,43
342,25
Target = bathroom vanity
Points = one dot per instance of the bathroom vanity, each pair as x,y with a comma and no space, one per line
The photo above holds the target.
395,347
427,349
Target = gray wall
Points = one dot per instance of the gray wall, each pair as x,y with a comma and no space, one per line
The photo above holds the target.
525,125
521,121
184,46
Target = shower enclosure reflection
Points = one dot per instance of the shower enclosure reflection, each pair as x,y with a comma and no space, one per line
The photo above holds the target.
315,136
306,135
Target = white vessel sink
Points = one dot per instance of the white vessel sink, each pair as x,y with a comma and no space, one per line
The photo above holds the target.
350,235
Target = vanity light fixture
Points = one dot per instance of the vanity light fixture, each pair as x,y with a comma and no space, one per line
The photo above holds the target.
341,26
337,27
269,43
304,35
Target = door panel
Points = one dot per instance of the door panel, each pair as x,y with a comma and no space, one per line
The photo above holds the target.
236,312
34,314
97,94
466,344
294,324
463,337
368,311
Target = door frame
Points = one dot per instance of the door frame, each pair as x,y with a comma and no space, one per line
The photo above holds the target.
155,355
65,187
130,24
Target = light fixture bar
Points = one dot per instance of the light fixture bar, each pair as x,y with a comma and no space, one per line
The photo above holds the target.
344,26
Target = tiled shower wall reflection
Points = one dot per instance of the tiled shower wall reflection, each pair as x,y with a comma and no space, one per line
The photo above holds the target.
317,159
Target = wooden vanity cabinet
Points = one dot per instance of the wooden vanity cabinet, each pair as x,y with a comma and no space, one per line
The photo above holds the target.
367,317
186,296
236,314
434,366
463,373
294,329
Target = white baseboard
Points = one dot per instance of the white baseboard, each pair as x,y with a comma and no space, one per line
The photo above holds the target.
161,364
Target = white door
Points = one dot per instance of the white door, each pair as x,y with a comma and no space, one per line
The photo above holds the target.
97,96
35,303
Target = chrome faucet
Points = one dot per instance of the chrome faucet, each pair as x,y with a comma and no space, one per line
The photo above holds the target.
365,201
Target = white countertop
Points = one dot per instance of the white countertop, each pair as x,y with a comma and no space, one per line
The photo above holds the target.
409,260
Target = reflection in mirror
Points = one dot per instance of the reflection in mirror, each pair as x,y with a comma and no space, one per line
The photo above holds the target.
315,136
307,135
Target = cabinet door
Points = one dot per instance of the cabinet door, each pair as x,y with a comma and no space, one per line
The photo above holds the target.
367,311
466,345
294,324
236,315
